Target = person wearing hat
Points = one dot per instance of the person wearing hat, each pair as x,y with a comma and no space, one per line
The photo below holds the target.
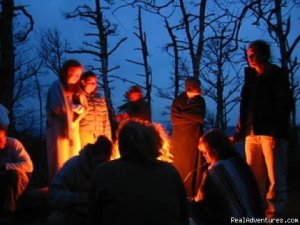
187,117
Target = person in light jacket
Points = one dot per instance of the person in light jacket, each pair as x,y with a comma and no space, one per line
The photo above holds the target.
96,121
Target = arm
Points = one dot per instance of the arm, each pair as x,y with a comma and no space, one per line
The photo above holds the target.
284,102
81,108
107,126
193,113
55,103
62,192
20,158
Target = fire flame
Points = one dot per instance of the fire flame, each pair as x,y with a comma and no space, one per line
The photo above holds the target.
165,150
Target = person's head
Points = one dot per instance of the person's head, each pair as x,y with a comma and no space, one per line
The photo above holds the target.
3,138
258,54
139,141
192,87
70,73
89,82
215,146
100,151
134,93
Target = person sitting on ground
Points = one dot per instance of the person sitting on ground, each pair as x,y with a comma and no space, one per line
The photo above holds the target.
15,172
228,189
138,188
68,193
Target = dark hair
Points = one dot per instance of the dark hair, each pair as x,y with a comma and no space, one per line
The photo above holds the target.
102,148
262,48
87,75
192,84
133,89
219,142
139,141
66,66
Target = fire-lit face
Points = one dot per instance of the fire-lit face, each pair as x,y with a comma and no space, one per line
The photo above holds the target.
90,84
73,74
253,58
2,139
208,153
134,96
193,93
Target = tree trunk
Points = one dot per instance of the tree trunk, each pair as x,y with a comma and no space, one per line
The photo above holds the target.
7,71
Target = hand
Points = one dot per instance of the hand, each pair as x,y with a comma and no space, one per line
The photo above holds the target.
77,108
231,139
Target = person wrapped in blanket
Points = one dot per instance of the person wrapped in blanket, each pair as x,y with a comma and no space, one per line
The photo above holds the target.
228,189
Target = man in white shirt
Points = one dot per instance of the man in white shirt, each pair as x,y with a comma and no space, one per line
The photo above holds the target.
15,169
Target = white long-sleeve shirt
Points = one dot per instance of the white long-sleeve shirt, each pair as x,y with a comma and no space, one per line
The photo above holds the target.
15,157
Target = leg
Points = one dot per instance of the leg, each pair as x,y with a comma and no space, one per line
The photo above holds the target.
276,161
255,159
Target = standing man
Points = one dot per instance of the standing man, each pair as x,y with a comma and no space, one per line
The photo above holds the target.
264,121
187,117
15,170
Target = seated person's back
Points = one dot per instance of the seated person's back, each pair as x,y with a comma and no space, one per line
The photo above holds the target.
138,188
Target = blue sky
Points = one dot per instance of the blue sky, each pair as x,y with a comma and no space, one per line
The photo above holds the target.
49,14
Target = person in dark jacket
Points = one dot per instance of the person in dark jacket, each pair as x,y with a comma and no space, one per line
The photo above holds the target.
187,117
229,189
136,107
95,121
68,193
138,188
264,120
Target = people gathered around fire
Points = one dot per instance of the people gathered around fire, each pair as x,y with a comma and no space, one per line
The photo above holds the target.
126,169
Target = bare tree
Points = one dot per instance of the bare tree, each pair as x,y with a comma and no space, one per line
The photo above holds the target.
99,48
279,26
7,63
52,49
141,35
221,76
11,82
275,17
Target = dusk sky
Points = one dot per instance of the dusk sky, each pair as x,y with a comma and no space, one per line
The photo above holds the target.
49,14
